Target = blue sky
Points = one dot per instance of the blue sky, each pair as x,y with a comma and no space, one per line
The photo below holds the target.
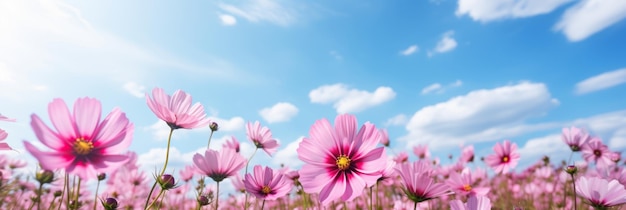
440,72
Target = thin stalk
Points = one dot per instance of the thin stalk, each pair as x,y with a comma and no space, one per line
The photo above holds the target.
245,205
574,194
371,199
415,205
167,156
66,183
210,137
263,204
77,192
158,195
95,197
217,196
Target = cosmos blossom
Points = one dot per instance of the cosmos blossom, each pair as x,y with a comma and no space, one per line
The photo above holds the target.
597,152
177,110
601,193
219,165
575,138
462,183
473,203
82,144
232,143
261,137
267,184
418,182
506,157
339,160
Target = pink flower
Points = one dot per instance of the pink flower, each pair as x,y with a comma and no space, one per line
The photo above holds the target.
473,203
261,137
232,143
4,118
421,151
385,139
237,182
339,162
4,145
463,184
601,193
187,173
266,184
575,138
82,144
219,165
467,155
177,110
506,157
401,157
596,151
419,185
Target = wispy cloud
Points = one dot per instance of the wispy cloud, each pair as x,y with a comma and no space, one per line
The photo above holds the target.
446,44
280,112
410,50
135,89
335,55
272,11
601,81
227,20
488,10
397,120
438,88
288,156
588,17
350,100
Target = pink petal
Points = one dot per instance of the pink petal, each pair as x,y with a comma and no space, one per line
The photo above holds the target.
46,135
333,190
61,119
87,113
49,160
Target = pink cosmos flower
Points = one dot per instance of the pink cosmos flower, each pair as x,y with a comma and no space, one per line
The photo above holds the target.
237,182
4,118
601,193
401,157
177,110
267,184
467,155
419,185
462,183
506,157
232,143
596,151
385,139
219,165
421,151
473,203
339,162
187,173
575,138
4,145
261,137
82,144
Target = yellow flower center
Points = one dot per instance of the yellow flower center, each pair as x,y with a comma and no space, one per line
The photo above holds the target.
505,159
82,147
266,190
467,188
343,162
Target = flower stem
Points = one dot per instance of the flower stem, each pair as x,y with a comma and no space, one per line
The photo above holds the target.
95,196
167,156
245,205
371,198
574,194
415,205
210,137
217,196
263,204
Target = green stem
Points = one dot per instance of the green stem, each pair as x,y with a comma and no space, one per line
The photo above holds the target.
210,137
217,196
66,188
77,193
574,194
95,197
245,205
167,156
371,199
415,205
263,204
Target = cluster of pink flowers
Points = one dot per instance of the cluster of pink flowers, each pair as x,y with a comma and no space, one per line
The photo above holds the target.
345,167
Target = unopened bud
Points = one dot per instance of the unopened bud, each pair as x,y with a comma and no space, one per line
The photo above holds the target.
102,176
167,181
45,176
571,169
214,126
110,204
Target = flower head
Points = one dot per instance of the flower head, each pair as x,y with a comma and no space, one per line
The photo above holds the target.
219,165
419,185
596,151
266,183
339,161
473,203
421,151
261,137
601,193
462,183
232,143
82,144
506,157
177,110
4,145
575,138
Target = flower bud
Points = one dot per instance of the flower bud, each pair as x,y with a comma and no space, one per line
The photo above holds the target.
167,181
102,176
571,169
214,126
109,203
44,176
204,200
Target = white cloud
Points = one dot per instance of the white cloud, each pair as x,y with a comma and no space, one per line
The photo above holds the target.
280,112
588,17
446,44
336,55
481,115
288,155
227,20
489,10
550,145
350,100
263,10
431,88
602,81
232,124
397,120
410,50
135,89
438,88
